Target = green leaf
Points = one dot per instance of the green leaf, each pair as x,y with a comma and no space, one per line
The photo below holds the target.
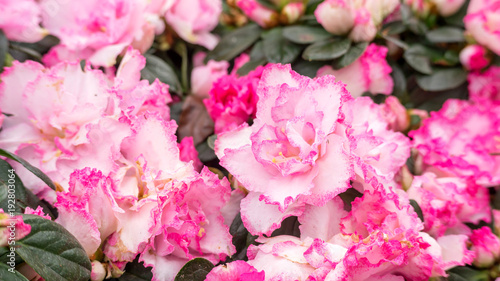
326,50
205,153
417,209
4,46
354,52
442,79
158,68
308,68
29,167
469,274
257,51
53,252
195,270
303,34
277,48
393,28
6,275
249,66
399,79
446,34
418,57
235,42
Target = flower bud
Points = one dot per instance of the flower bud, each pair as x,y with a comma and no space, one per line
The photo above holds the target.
486,246
292,12
474,57
262,15
336,16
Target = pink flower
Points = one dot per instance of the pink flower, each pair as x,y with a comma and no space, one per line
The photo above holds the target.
485,86
291,150
65,118
262,15
203,77
473,57
336,16
292,12
38,211
233,100
12,228
194,19
461,140
481,22
486,246
97,31
20,20
395,114
89,209
448,203
373,68
188,153
235,271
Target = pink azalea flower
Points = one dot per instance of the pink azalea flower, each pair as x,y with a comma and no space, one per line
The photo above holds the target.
291,149
262,15
204,76
461,140
233,99
97,31
336,16
448,203
485,86
20,20
374,71
12,227
486,246
235,271
194,19
481,22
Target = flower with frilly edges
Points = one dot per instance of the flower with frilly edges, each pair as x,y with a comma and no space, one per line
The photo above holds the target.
373,68
486,246
291,151
481,22
485,86
20,20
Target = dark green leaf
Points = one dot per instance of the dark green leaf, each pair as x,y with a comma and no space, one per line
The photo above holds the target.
257,51
348,196
158,68
278,49
312,5
399,79
4,46
396,41
6,275
442,79
393,28
446,34
417,26
417,209
235,42
251,65
469,274
326,50
205,153
308,68
303,34
418,57
195,270
354,52
53,252
455,277
29,167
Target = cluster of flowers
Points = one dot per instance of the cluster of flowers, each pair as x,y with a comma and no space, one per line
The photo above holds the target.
100,30
128,189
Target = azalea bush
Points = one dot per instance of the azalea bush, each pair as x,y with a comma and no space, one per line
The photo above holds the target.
250,140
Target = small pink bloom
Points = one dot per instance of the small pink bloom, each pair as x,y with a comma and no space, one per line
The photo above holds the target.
485,86
369,73
38,211
486,246
235,271
98,271
395,114
262,15
12,227
482,22
233,100
188,153
364,29
292,12
203,77
194,19
473,57
20,20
